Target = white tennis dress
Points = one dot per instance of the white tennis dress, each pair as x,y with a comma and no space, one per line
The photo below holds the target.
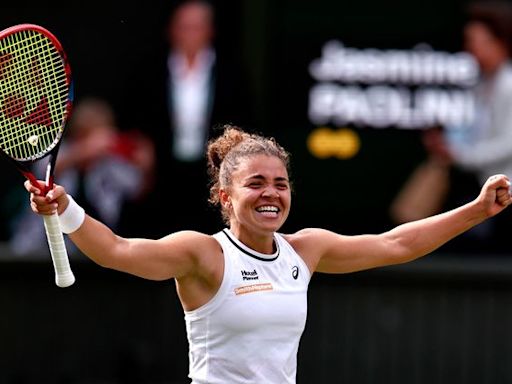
249,331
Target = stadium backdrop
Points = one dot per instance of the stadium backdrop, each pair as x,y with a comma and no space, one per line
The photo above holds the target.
278,41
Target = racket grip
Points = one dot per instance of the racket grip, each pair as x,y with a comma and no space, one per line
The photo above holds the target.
63,275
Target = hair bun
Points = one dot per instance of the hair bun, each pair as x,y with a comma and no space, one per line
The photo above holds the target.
220,147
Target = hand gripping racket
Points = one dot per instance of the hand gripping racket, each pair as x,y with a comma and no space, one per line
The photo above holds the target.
36,96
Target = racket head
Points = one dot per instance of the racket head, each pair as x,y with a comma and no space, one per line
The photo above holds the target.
36,92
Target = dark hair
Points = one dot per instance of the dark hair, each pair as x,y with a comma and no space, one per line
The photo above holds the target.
496,16
225,152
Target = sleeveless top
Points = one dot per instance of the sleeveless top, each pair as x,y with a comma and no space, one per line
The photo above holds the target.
249,332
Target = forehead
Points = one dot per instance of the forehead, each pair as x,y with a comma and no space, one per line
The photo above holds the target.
264,165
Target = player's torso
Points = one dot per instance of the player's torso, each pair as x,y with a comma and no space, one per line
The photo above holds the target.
252,326
270,291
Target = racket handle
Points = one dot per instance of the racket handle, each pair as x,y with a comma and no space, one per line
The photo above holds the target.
63,275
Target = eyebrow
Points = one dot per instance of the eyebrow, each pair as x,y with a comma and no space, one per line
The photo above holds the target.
261,177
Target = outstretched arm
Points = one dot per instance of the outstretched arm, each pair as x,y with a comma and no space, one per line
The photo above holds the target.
339,254
175,255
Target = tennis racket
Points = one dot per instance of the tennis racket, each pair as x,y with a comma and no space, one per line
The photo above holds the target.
36,94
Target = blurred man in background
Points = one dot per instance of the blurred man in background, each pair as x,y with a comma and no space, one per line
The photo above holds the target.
189,88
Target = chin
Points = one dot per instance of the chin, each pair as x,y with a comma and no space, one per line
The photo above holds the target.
273,227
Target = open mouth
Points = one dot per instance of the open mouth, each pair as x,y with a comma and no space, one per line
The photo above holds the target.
268,210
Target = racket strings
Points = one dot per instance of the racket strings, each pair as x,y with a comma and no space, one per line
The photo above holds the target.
33,95
12,106
31,82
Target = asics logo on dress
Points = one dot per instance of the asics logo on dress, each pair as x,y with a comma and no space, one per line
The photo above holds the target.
249,275
295,272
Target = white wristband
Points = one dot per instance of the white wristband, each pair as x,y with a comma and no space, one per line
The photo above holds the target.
72,217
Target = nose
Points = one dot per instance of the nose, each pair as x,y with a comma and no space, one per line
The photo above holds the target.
270,192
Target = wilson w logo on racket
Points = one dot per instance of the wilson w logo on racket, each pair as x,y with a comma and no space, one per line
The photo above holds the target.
36,96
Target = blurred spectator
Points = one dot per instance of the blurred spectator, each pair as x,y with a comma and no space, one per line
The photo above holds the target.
472,153
103,168
188,89
485,147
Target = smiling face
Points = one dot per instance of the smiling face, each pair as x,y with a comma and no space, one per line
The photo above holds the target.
258,199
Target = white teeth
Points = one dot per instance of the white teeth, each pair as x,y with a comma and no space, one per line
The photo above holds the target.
267,208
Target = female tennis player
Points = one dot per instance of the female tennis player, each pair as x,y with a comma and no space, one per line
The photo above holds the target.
244,289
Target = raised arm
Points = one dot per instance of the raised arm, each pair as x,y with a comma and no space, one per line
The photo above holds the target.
176,255
328,252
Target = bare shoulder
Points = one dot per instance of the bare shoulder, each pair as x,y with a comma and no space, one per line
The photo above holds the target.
308,236
194,243
191,238
309,244
203,251
203,280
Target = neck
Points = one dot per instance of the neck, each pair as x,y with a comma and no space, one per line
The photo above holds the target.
191,56
191,59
